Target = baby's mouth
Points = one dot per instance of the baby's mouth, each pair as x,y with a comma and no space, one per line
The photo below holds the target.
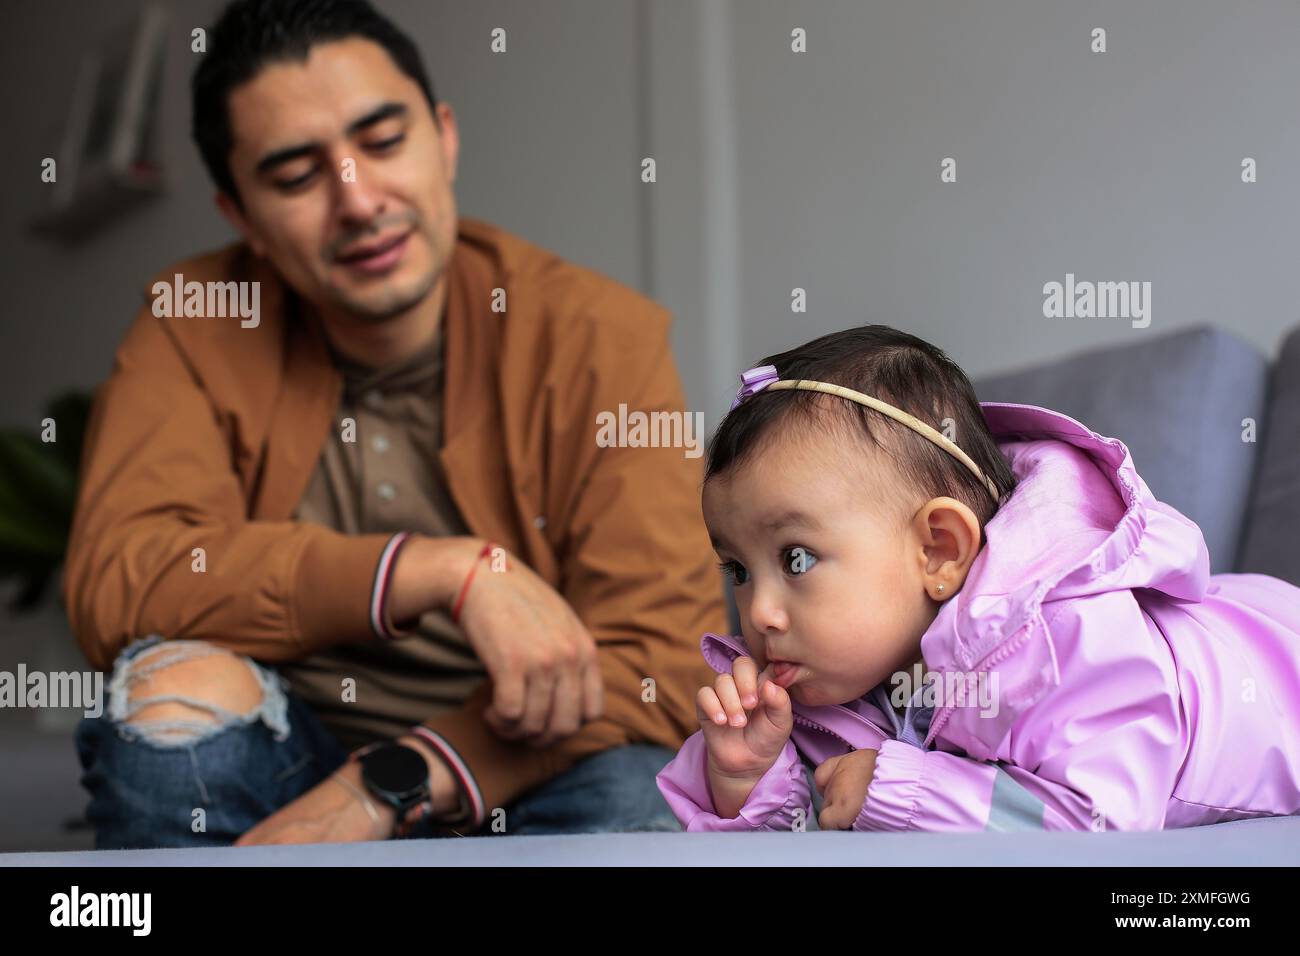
785,673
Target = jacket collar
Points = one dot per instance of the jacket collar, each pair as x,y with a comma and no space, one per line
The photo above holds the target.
305,408
474,443
1080,522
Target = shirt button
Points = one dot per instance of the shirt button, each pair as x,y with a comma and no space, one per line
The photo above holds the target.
539,522
386,491
379,443
373,398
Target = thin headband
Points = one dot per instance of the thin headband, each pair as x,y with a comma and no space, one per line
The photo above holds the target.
765,377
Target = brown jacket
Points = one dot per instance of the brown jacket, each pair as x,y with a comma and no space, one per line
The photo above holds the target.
206,434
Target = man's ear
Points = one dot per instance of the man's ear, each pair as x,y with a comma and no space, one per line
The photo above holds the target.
235,216
448,139
950,536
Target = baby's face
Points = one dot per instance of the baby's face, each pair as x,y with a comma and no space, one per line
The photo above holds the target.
829,573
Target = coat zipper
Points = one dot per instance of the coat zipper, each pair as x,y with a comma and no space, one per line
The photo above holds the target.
809,722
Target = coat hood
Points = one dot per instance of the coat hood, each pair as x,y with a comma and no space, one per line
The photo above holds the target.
1080,522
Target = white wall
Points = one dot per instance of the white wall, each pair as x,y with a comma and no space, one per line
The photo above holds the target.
550,149
1122,165
776,169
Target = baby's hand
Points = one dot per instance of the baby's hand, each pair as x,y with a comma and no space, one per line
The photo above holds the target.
746,719
843,781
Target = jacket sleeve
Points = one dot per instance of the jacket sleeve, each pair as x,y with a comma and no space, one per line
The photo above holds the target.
157,481
780,800
636,567
1101,751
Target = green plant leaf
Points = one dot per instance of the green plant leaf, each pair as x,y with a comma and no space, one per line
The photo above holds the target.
37,475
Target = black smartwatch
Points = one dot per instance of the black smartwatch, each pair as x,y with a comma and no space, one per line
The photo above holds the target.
395,774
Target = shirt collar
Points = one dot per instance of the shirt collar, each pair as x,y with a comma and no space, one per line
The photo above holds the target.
416,373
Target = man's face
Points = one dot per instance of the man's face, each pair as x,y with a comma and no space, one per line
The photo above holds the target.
346,181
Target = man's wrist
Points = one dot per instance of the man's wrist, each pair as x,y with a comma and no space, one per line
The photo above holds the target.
385,816
444,791
443,797
428,573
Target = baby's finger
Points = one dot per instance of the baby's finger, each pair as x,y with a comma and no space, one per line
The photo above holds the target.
777,700
725,688
836,816
775,714
831,817
745,673
707,707
823,774
843,800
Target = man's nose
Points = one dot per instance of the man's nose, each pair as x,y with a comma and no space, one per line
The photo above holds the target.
358,198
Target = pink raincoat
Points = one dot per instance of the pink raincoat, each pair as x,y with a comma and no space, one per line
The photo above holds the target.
1135,691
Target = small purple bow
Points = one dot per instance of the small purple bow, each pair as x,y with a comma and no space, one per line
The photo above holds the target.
754,381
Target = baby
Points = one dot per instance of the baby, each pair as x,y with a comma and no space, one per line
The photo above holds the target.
969,617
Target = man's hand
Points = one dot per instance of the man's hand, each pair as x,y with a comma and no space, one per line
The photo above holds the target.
542,662
331,812
843,781
334,812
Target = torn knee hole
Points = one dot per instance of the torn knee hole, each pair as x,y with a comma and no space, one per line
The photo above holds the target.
180,691
169,718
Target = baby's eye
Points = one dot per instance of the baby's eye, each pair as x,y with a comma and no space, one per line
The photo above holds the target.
734,570
797,560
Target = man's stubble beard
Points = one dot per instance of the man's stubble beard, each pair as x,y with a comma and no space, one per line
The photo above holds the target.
396,303
393,302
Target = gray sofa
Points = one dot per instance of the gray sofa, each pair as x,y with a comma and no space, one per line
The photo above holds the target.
1177,401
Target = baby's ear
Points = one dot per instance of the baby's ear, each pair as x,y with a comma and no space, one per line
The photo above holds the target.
950,531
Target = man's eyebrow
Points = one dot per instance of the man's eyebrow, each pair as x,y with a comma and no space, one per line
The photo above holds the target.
289,153
380,113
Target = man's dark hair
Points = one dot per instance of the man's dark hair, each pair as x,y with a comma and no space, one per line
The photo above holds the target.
897,368
253,33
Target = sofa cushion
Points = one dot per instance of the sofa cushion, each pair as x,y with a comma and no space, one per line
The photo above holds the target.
1273,519
1177,401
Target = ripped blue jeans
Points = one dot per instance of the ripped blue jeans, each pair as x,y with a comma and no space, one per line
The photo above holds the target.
204,783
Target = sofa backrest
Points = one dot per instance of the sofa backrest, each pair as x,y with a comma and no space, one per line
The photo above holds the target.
1272,527
1178,402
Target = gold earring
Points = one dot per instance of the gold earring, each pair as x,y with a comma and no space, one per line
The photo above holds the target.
940,588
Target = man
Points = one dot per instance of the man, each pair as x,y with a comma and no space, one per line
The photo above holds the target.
366,510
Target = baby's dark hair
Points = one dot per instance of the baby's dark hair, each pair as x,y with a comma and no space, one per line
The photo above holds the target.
897,368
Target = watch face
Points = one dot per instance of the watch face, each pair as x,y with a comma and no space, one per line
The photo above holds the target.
395,769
